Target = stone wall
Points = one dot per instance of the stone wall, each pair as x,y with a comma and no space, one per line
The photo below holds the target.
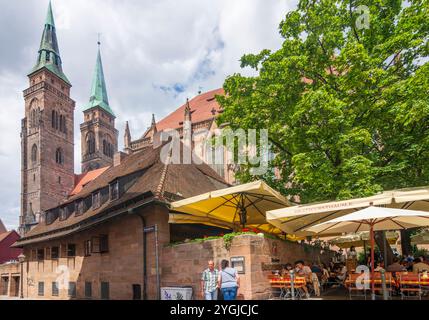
182,264
9,279
121,266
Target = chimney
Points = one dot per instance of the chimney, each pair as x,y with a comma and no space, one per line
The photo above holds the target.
118,158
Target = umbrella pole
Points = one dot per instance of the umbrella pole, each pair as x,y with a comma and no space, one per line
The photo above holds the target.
365,252
372,263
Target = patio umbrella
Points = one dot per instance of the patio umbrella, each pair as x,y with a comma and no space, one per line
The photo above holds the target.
420,238
296,219
239,206
373,219
360,239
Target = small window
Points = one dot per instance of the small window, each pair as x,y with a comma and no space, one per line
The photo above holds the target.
104,288
55,252
72,289
137,292
79,207
41,289
59,156
34,154
88,289
40,254
59,180
63,214
114,190
96,200
71,250
88,247
104,243
55,290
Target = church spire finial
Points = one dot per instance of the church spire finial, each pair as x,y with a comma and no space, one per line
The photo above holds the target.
188,111
49,54
50,16
99,96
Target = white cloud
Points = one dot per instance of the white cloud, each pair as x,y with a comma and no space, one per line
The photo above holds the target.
146,46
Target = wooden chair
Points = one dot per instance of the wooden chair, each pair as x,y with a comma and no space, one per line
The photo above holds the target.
390,283
351,284
410,283
277,287
298,284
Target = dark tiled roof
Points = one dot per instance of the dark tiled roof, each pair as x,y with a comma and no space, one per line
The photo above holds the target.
157,181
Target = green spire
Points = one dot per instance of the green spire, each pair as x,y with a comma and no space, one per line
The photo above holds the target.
49,53
98,90
50,16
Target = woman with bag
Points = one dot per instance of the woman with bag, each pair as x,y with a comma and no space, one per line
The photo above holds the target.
229,282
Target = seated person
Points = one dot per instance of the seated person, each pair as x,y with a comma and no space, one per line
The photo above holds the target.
395,266
342,273
315,268
419,266
379,266
304,271
286,270
424,260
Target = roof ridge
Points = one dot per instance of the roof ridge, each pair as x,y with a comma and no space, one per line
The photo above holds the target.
159,190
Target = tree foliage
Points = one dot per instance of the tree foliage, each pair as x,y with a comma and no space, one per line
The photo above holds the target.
347,108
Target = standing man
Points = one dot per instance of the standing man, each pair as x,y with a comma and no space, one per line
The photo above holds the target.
209,282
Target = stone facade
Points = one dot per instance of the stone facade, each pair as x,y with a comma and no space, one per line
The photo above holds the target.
47,146
99,139
10,281
183,264
121,266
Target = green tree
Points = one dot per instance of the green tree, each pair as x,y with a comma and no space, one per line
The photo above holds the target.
346,104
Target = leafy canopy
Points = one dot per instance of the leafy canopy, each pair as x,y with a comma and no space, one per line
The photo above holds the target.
347,108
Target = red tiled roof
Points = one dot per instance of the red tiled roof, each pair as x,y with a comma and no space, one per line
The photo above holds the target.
82,179
202,108
2,227
157,179
4,235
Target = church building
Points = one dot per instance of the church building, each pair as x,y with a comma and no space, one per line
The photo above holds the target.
47,134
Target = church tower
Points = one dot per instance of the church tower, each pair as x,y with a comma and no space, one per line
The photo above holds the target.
47,154
99,137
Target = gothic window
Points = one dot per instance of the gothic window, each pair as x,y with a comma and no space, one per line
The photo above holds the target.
34,113
34,153
90,143
59,156
53,119
108,148
48,57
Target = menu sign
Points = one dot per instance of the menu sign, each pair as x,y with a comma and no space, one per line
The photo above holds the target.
238,264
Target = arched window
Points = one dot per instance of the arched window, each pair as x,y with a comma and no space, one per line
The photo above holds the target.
34,153
59,156
90,143
108,148
34,113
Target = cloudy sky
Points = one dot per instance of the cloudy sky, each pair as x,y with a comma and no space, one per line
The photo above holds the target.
155,55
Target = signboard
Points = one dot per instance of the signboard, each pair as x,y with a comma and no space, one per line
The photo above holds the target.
238,264
176,293
149,229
